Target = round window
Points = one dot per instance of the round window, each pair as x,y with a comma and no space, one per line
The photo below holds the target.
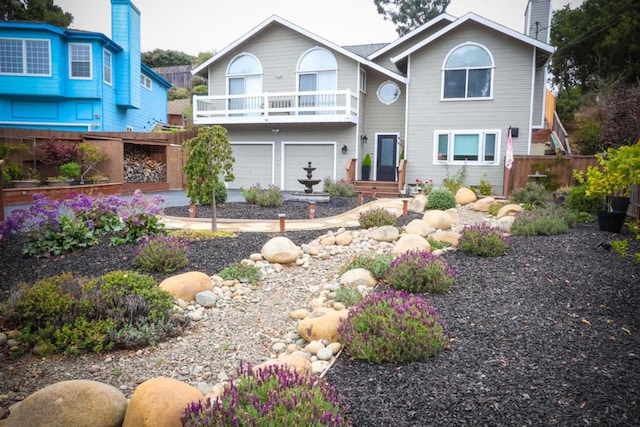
388,92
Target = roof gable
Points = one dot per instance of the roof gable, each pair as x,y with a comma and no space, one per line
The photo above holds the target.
482,21
274,19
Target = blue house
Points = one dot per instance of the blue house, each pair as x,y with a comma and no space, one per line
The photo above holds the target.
72,80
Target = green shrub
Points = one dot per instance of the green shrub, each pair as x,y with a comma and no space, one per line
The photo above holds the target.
193,235
376,264
221,193
420,272
454,183
348,296
71,170
270,197
485,188
392,327
340,188
437,244
531,194
482,240
161,254
441,199
271,396
578,200
376,217
242,272
542,221
250,194
67,235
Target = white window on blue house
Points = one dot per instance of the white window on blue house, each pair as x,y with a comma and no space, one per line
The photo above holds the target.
107,67
468,73
145,82
80,60
26,57
459,147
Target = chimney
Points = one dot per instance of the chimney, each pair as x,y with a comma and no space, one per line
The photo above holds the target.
125,31
537,23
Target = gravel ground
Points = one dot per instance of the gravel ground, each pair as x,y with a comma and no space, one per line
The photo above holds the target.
546,335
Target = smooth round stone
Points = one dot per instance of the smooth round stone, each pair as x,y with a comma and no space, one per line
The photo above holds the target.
324,354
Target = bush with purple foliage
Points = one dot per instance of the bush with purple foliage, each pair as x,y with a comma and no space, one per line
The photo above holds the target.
392,327
419,271
271,396
482,240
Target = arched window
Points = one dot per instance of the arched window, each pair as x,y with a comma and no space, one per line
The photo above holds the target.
244,77
468,72
317,71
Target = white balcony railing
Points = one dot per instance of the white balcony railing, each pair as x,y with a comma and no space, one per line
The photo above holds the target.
276,107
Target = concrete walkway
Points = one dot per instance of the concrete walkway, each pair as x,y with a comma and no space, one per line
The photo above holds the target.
347,219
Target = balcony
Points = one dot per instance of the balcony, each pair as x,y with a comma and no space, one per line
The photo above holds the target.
334,106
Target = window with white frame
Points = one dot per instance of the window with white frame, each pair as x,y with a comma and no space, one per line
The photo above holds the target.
145,82
388,92
467,73
317,71
25,56
80,60
467,146
363,81
107,68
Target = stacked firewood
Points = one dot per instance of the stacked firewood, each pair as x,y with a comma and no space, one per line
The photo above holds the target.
139,167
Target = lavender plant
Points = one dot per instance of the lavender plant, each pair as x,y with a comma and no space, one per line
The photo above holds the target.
482,240
376,217
419,271
162,254
271,396
392,327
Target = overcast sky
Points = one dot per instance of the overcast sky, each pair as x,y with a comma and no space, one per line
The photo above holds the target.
194,26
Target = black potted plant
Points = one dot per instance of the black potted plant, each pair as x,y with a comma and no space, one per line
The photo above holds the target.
366,167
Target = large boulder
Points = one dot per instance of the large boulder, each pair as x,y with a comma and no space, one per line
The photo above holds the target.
464,196
159,402
386,233
410,242
437,219
509,209
482,205
419,227
418,203
322,324
281,250
358,277
450,237
504,224
187,285
71,403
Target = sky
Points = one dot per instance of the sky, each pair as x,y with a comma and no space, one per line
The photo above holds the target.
194,26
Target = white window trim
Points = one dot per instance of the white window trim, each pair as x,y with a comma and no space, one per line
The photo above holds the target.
143,82
71,76
307,52
363,81
442,73
453,133
24,57
109,82
380,87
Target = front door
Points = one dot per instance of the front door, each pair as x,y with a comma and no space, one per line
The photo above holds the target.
387,157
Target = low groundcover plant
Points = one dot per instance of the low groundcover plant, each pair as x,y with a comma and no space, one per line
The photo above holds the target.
482,240
419,271
270,396
162,254
394,327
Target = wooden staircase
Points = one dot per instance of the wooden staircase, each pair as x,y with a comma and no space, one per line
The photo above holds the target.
378,189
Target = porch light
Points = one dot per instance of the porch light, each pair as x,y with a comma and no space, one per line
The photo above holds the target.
364,138
344,149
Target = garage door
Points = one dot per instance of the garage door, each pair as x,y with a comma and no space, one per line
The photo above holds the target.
254,164
298,156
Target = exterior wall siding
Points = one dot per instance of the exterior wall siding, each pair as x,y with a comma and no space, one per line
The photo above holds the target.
538,11
537,114
125,29
427,113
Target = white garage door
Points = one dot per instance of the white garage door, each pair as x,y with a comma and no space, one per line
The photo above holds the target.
298,156
254,164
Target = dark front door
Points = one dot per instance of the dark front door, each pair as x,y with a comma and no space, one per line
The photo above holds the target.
387,158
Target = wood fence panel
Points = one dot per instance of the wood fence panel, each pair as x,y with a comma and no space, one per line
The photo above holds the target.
560,169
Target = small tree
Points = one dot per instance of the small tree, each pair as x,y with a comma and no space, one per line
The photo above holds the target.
90,156
210,157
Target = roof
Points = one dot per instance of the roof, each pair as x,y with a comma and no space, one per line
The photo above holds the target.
155,75
544,47
365,50
275,19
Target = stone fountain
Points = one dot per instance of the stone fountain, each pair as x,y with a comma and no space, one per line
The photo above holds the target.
309,195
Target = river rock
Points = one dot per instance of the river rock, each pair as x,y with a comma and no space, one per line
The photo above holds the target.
385,233
419,227
438,219
280,249
409,242
358,277
322,323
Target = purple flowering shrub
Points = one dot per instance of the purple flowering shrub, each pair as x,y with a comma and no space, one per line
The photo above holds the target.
482,240
419,271
271,396
162,254
392,327
54,227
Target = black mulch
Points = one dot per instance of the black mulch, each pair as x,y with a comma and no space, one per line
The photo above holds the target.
548,334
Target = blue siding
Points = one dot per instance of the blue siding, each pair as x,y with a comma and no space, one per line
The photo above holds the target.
60,103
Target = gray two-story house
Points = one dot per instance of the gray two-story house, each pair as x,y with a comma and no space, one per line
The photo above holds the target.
443,96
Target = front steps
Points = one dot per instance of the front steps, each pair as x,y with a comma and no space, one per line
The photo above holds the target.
378,189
